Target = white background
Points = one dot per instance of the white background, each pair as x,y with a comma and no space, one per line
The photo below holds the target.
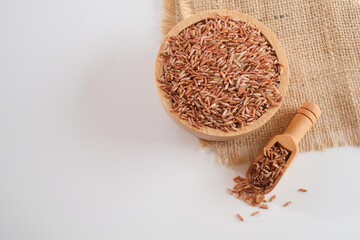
87,152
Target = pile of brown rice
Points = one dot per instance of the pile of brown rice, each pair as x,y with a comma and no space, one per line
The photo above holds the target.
262,175
264,172
220,73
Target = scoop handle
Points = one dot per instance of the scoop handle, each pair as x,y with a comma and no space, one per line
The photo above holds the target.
303,120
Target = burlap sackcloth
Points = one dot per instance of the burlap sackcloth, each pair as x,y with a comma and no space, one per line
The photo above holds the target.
322,43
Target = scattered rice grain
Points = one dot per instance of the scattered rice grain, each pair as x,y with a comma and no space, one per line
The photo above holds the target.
254,213
240,217
264,206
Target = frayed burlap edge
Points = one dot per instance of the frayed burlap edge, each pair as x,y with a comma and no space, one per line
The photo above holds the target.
170,14
248,152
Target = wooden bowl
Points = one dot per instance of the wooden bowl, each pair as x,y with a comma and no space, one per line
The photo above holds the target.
211,133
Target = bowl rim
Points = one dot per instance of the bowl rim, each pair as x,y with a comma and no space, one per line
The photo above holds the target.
217,134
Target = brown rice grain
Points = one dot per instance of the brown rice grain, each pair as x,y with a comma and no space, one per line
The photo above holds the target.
272,198
240,217
264,206
254,213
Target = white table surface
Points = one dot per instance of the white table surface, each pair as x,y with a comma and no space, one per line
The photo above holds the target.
87,152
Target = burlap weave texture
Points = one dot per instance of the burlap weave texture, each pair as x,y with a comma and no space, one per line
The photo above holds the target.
322,43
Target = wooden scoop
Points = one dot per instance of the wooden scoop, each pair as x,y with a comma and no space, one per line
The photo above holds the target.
301,123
